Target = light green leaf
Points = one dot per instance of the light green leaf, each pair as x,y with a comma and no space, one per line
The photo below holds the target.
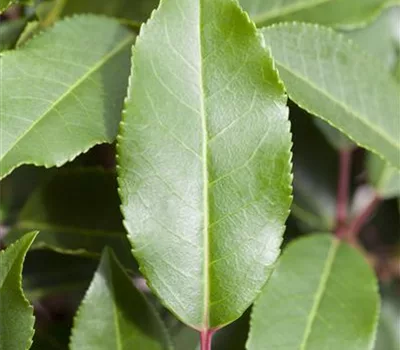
338,13
329,77
115,315
321,287
383,177
62,92
204,160
16,321
77,212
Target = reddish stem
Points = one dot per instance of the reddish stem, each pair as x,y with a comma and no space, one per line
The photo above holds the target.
343,191
360,220
206,338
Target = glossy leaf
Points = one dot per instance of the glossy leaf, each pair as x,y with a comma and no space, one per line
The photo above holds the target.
77,212
115,315
339,13
320,287
16,321
204,160
329,77
62,92
383,177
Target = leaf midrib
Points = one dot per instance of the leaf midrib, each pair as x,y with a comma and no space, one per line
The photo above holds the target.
320,291
263,17
364,121
74,86
206,213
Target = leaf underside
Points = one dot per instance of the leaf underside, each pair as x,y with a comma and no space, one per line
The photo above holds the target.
327,75
59,99
16,320
115,315
204,160
320,287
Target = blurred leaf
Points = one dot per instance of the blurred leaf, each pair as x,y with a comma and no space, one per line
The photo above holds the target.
137,10
204,160
354,94
388,337
29,31
115,315
9,33
320,287
336,138
315,168
55,84
380,37
16,321
338,13
77,212
47,273
4,4
383,177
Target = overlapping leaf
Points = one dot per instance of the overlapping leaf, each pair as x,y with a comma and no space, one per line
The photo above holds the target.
115,315
328,76
339,13
16,320
77,212
320,287
204,160
62,92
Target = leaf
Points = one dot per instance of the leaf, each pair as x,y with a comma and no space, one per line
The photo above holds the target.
320,287
4,4
62,92
336,138
115,315
379,38
315,177
48,273
338,13
383,177
9,33
137,10
16,321
77,212
329,77
204,160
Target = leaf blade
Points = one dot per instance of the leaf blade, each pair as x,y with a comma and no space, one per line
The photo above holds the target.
191,125
336,93
57,85
127,313
326,277
16,321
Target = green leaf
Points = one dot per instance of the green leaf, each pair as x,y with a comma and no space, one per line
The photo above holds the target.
383,177
16,321
328,76
137,10
338,13
115,315
9,33
204,160
48,273
336,138
322,295
379,38
62,92
77,212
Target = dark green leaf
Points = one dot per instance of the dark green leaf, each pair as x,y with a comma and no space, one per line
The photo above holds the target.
9,33
339,13
77,212
115,315
328,76
322,295
204,160
62,92
16,320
